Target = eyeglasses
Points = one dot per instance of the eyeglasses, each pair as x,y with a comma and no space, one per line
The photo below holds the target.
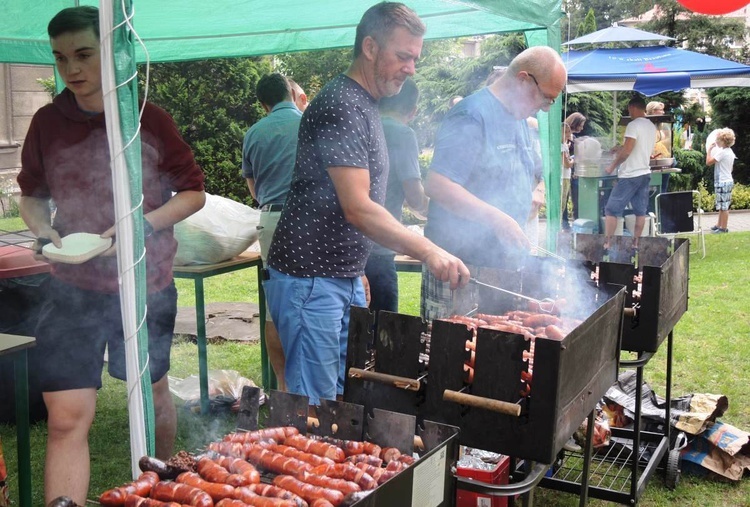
548,99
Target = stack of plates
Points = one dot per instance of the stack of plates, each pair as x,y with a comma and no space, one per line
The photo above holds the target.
77,248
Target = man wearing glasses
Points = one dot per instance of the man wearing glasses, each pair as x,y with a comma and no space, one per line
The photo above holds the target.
485,169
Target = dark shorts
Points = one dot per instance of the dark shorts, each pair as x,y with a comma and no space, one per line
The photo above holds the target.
381,273
75,325
633,191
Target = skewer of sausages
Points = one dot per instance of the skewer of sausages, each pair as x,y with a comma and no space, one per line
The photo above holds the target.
541,319
308,492
390,454
216,490
375,472
248,497
142,487
181,493
139,501
256,501
348,472
293,452
321,502
366,458
554,332
275,462
233,449
342,485
248,437
240,467
211,471
349,447
372,449
267,491
316,447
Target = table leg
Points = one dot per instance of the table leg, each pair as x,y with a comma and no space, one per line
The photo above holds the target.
22,429
200,317
267,373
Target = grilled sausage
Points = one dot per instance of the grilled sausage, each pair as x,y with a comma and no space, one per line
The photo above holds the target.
181,493
215,490
142,487
308,492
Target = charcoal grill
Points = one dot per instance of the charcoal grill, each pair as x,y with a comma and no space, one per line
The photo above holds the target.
570,376
663,265
622,474
429,479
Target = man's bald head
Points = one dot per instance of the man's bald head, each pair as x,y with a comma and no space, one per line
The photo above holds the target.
540,61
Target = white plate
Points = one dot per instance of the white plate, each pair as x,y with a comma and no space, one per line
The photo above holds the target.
77,248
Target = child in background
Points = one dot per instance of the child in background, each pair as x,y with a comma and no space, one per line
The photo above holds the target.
567,164
721,156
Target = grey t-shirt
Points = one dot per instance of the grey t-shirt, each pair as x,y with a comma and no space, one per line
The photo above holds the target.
340,128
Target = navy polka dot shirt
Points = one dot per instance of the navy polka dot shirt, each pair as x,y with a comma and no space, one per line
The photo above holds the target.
341,127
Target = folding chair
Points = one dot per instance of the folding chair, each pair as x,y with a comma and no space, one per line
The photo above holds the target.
679,214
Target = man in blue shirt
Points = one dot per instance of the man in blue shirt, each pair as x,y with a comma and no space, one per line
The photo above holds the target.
268,154
482,174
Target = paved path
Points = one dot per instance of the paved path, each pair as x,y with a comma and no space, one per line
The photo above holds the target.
739,221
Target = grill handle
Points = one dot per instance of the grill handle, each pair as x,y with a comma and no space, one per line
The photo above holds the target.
502,407
383,378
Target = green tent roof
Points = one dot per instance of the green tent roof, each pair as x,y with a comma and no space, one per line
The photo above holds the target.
175,30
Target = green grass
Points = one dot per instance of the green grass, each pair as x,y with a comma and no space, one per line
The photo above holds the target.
709,356
12,224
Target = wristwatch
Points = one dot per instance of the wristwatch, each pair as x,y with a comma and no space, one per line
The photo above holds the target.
148,229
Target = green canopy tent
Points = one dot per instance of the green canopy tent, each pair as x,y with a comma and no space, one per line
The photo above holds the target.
178,30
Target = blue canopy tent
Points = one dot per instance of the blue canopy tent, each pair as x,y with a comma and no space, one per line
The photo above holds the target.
650,70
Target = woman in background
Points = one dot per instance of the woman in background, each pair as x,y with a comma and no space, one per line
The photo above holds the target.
576,122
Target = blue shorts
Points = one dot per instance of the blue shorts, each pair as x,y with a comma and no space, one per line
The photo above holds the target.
633,191
312,317
75,325
723,195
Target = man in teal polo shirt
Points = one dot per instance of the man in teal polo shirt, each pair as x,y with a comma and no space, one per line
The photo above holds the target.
268,155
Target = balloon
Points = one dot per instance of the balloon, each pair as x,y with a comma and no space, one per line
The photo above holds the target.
713,6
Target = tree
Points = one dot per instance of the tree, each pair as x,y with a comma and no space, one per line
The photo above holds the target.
705,34
729,110
213,104
588,25
313,69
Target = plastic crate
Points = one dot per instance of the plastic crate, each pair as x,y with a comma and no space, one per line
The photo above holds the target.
499,475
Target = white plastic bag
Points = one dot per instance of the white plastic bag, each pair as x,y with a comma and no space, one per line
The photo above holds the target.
221,230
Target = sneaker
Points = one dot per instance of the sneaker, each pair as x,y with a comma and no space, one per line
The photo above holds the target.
715,228
719,230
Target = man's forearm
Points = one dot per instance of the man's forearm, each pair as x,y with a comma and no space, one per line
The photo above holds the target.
36,214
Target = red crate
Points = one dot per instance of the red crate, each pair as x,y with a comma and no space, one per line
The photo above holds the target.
499,475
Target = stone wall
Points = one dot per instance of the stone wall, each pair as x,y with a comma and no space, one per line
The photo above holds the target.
20,97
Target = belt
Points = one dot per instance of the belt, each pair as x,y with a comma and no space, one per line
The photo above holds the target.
272,207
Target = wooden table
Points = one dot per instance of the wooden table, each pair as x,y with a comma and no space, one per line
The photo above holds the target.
198,273
408,264
16,346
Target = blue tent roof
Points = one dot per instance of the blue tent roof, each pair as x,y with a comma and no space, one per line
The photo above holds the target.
650,70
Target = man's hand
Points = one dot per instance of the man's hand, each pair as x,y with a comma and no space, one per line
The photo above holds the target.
46,235
366,287
447,268
510,233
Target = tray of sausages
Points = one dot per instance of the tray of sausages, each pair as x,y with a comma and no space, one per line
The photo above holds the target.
272,467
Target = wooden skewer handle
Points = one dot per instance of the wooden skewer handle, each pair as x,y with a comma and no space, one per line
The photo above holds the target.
502,407
383,378
629,312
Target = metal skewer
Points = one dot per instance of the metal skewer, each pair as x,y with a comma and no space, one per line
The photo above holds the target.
546,305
